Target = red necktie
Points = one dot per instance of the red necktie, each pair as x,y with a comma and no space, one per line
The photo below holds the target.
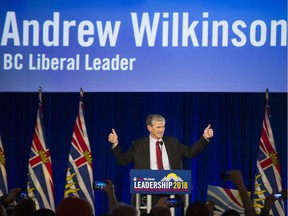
159,156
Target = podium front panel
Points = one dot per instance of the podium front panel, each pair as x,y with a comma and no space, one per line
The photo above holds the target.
160,181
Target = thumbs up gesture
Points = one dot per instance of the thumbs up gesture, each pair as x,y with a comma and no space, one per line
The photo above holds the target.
113,137
208,132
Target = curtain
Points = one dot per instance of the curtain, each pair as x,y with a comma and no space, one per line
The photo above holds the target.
236,119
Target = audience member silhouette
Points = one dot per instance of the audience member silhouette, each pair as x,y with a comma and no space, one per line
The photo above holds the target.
116,208
197,209
74,206
2,211
161,208
10,198
110,191
124,210
230,212
43,212
270,202
237,179
160,211
25,207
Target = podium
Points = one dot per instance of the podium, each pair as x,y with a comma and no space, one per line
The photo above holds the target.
170,182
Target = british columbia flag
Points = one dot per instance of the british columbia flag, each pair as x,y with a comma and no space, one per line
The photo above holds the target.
79,177
40,183
267,178
224,199
3,174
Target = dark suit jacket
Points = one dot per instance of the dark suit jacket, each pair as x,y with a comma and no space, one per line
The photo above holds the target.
139,152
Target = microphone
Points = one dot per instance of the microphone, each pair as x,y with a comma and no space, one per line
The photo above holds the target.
161,143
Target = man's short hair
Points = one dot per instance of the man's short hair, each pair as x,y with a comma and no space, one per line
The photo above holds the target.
152,118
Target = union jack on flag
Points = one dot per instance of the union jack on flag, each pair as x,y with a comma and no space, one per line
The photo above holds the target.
79,177
224,199
3,174
40,183
267,178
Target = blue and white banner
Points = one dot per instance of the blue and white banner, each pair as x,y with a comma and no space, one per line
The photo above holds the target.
160,181
225,199
110,45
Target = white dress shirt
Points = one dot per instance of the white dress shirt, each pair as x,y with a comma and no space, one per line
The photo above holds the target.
153,158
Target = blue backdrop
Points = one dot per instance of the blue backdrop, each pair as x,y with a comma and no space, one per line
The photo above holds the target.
120,45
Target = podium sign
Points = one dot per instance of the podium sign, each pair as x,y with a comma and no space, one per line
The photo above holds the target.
160,181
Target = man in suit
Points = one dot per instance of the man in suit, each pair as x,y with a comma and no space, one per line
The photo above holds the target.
143,150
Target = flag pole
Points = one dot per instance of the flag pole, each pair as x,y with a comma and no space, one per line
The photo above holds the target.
81,93
267,106
79,181
267,177
40,185
40,94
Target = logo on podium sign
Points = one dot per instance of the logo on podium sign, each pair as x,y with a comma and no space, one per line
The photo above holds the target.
160,181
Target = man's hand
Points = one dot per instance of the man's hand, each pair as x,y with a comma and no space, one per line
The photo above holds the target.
113,138
208,132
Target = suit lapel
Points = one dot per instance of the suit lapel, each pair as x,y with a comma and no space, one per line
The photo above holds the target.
146,152
168,148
